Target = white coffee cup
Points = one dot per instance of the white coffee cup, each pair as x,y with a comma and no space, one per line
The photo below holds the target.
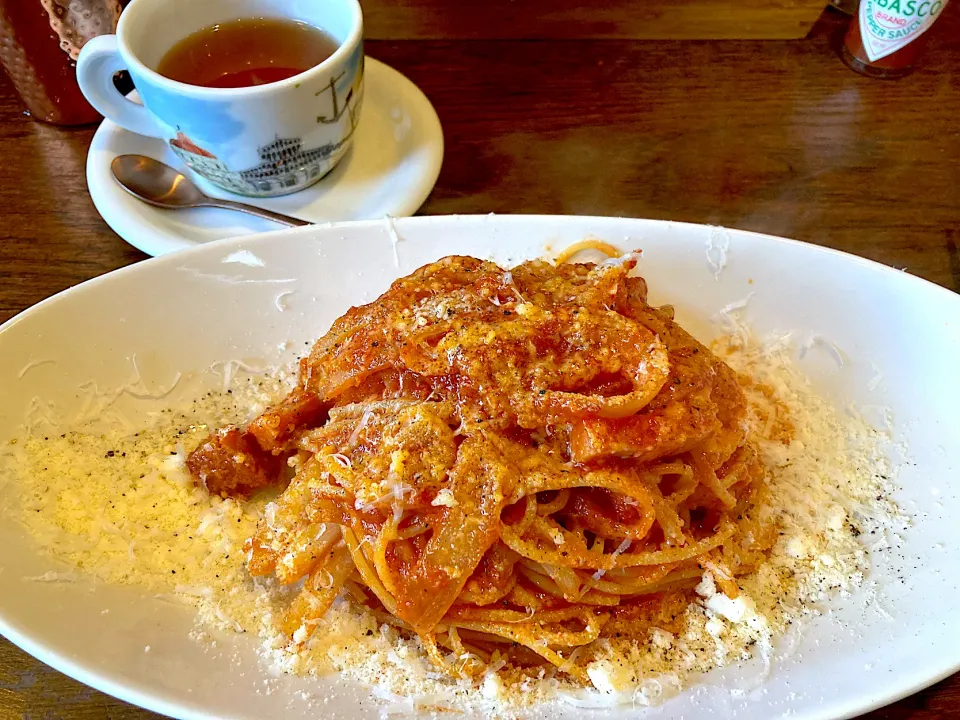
258,141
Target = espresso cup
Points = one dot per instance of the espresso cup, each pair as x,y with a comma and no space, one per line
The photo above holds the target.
257,141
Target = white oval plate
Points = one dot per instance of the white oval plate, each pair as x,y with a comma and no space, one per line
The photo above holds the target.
390,170
185,311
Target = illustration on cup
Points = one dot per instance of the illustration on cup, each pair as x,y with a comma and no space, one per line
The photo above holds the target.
284,163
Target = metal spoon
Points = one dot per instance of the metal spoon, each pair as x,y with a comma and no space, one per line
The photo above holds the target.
158,184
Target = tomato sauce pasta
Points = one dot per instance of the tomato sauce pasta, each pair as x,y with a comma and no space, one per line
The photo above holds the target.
502,462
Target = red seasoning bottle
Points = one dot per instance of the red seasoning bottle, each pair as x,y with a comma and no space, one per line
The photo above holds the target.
886,36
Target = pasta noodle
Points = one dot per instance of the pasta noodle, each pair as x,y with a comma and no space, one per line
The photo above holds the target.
501,462
576,248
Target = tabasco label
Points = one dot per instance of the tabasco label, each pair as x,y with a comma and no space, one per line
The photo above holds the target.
888,25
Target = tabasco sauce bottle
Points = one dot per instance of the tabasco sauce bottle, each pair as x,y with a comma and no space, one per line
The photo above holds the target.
886,36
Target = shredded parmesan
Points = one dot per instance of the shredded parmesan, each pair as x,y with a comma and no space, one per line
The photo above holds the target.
729,318
621,548
52,576
34,364
364,419
632,256
228,369
830,347
444,498
120,507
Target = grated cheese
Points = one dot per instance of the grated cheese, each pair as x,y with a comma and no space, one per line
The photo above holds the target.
632,256
280,300
135,517
34,364
52,576
830,347
445,498
729,319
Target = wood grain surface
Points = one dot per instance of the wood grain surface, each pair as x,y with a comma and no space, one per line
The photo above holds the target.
777,137
578,19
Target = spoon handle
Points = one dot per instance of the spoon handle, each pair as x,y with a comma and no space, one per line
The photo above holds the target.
259,212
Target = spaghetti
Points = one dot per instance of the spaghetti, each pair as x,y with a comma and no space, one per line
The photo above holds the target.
505,463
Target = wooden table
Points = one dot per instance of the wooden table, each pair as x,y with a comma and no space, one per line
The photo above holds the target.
774,136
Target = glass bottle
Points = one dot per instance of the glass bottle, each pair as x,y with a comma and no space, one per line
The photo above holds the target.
39,44
887,36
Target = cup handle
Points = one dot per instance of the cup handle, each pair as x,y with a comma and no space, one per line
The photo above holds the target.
99,61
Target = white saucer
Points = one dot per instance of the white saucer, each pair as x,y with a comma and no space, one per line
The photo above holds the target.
392,167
